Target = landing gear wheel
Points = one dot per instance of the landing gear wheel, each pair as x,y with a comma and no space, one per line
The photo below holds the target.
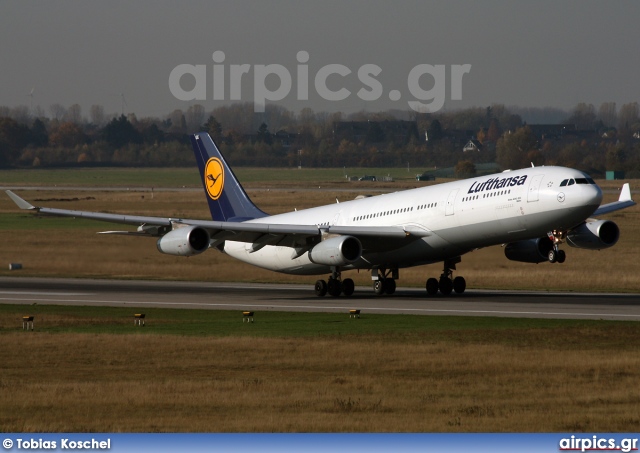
558,237
389,286
321,288
445,285
348,287
432,286
379,287
459,285
334,288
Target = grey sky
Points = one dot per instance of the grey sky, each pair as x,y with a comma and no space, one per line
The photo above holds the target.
531,54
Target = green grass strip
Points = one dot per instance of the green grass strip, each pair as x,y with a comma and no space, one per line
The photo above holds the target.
514,331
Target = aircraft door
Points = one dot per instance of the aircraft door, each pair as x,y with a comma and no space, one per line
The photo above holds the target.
534,188
450,202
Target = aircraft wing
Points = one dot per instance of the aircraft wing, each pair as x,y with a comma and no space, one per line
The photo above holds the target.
260,233
624,201
113,218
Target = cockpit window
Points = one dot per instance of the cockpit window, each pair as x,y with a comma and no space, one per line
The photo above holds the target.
570,182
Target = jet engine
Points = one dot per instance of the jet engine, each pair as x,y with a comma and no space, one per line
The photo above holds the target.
185,241
594,235
529,251
336,251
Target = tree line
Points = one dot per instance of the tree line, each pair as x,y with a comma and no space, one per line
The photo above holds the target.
598,140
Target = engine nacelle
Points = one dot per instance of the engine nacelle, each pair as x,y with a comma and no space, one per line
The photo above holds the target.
595,235
185,241
529,251
337,251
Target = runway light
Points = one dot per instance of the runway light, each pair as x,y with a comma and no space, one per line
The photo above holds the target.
26,322
138,319
248,316
354,313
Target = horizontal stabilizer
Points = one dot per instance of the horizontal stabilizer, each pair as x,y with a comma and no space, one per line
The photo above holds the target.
22,204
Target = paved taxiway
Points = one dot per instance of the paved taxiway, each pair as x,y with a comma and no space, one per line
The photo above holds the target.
256,297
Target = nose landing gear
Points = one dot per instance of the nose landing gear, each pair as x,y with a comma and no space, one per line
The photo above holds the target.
556,255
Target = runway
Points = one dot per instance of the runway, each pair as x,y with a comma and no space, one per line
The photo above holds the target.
301,298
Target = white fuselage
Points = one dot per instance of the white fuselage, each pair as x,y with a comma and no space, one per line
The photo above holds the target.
456,217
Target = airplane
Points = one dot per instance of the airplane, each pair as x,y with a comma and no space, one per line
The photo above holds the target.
532,212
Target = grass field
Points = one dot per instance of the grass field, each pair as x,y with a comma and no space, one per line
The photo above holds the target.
57,247
89,369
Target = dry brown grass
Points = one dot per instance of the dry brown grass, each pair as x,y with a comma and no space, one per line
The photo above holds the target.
526,380
77,251
79,382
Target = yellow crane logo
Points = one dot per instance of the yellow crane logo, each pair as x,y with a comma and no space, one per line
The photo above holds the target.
214,178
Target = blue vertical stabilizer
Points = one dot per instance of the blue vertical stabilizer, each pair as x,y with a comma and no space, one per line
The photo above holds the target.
227,200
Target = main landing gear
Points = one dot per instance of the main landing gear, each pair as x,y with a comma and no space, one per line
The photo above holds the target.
335,285
446,285
556,255
384,281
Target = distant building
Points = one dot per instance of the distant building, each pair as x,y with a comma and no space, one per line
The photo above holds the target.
472,145
458,138
612,175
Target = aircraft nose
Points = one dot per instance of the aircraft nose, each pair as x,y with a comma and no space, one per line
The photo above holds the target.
588,195
578,196
594,194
